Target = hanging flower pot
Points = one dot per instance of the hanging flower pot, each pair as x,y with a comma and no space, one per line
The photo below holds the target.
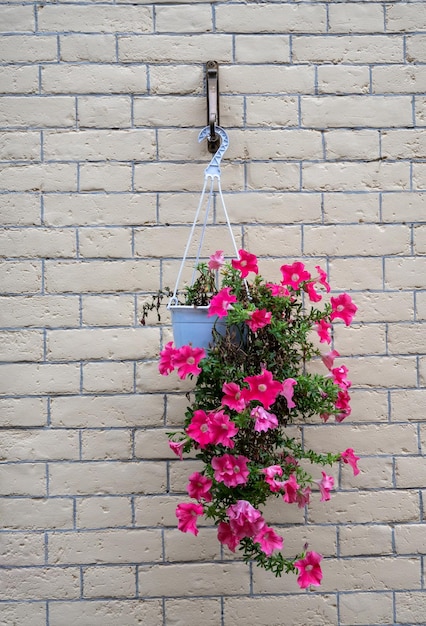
192,325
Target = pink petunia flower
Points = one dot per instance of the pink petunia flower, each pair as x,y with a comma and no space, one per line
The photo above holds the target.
269,540
187,514
291,487
186,360
278,290
294,274
340,377
216,260
177,448
199,428
262,388
303,497
309,570
270,473
314,296
288,391
264,420
233,397
231,470
343,307
226,536
244,519
222,429
322,278
246,263
348,456
167,356
258,319
199,487
342,404
326,484
328,358
323,330
221,303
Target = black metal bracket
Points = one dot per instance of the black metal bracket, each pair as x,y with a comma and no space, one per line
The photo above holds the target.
212,81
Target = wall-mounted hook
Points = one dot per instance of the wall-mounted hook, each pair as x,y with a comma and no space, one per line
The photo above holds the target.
212,80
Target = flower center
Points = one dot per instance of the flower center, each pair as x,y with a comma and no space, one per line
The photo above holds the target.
309,568
190,360
295,277
243,263
204,428
340,308
262,388
224,427
236,469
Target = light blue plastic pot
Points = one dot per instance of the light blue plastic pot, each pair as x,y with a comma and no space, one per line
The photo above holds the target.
191,325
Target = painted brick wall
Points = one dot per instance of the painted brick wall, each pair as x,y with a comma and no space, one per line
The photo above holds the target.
100,175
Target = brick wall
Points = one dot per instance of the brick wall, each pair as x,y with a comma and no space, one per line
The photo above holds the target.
100,175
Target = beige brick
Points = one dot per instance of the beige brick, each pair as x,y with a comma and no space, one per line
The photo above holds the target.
179,472
279,512
262,48
28,378
410,471
371,574
407,338
194,579
38,445
419,176
407,405
300,610
360,339
159,511
358,18
99,209
23,613
407,207
371,111
410,607
384,371
43,177
109,582
152,444
420,240
320,538
20,80
410,538
33,242
107,19
108,377
94,48
104,79
276,144
253,79
383,307
103,512
343,79
272,110
365,540
264,240
93,344
37,112
362,608
185,613
101,276
165,80
398,79
106,445
403,144
356,240
271,18
105,177
355,176
184,19
23,479
405,273
20,210
23,48
421,306
351,207
148,380
107,612
21,346
175,410
352,145
39,583
420,110
375,473
369,406
106,546
173,110
18,18
273,176
36,513
100,145
23,412
20,146
106,242
114,477
104,111
22,549
39,311
366,507
106,412
405,17
183,177
365,274
349,49
108,310
186,547
272,208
